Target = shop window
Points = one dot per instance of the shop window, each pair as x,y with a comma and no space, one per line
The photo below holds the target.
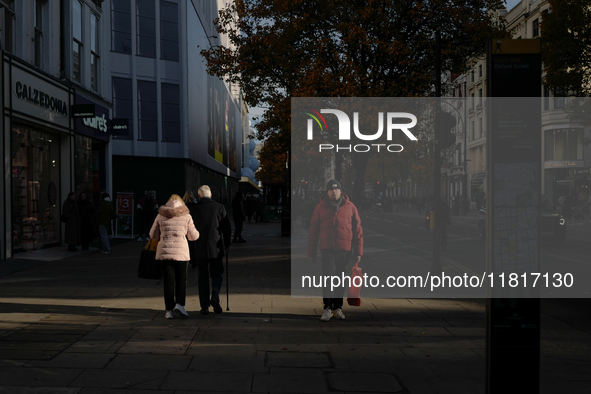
77,41
121,26
7,25
36,202
171,113
146,28
123,103
147,111
94,53
169,31
563,144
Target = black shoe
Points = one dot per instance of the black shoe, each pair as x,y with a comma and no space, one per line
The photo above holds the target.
204,311
216,307
241,240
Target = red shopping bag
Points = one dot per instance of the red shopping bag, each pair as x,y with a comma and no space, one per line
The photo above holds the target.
354,298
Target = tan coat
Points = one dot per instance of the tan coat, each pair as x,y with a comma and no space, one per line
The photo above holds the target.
172,227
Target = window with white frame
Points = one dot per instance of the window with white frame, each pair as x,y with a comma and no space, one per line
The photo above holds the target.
563,144
146,28
147,102
169,31
7,25
94,52
76,41
121,26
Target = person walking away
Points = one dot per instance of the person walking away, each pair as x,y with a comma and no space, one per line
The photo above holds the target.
147,209
103,219
172,227
238,216
249,207
87,227
190,202
335,229
214,241
259,208
70,212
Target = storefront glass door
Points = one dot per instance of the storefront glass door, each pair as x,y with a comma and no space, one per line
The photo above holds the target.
35,188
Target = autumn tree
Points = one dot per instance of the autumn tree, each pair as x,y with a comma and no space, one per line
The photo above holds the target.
566,46
343,48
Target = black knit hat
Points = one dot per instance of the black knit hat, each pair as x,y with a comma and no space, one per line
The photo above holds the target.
332,184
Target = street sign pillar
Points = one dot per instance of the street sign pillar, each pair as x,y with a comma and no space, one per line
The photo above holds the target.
514,186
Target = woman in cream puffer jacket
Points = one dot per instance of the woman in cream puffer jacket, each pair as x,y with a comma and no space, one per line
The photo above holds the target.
172,227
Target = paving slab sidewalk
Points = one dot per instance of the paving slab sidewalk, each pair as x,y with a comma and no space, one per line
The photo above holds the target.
85,324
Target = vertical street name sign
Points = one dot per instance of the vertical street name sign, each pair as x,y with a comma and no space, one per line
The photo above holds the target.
514,148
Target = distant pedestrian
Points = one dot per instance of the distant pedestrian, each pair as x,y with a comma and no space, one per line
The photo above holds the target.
103,219
249,207
190,202
87,223
147,210
189,199
238,216
70,213
172,227
214,240
335,229
259,209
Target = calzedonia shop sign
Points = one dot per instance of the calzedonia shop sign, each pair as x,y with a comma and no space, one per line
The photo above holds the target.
40,97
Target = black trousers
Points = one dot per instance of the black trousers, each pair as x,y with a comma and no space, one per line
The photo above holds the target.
174,279
239,224
214,269
334,262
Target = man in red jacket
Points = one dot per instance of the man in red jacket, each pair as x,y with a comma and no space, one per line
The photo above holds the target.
335,229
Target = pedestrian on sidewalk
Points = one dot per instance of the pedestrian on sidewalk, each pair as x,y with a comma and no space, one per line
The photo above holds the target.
103,219
238,216
335,229
70,213
172,227
214,241
147,210
86,213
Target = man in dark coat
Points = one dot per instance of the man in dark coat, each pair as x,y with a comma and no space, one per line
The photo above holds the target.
238,216
215,231
335,229
70,213
147,210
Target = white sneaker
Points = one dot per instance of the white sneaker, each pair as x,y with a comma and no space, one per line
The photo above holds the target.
180,310
169,315
326,315
338,313
140,239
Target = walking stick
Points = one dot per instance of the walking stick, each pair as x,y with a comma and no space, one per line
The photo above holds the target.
227,292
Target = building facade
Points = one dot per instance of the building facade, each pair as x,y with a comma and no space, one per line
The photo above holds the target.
184,127
566,161
47,68
109,95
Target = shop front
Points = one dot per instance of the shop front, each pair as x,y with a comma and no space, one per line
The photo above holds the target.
37,115
92,138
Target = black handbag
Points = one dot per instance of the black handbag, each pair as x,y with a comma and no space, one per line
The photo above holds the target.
149,267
